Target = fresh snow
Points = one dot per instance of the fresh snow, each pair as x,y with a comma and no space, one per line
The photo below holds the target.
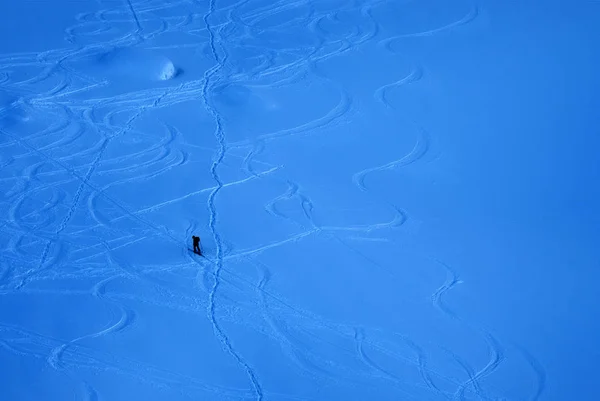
397,200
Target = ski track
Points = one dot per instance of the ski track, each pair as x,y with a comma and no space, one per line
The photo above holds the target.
51,173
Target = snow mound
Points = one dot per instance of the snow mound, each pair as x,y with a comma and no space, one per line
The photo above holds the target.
6,100
168,71
129,63
12,111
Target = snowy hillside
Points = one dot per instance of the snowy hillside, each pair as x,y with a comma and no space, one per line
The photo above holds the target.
396,200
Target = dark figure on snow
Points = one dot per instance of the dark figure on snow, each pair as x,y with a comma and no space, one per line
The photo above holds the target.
196,241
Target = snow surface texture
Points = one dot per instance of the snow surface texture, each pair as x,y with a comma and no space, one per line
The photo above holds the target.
397,200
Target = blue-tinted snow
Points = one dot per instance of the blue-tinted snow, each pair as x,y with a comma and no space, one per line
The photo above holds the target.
397,200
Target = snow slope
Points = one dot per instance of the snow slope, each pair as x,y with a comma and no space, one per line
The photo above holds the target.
397,200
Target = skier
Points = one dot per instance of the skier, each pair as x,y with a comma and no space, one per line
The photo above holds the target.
196,241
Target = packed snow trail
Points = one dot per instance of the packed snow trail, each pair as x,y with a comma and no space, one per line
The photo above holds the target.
220,138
